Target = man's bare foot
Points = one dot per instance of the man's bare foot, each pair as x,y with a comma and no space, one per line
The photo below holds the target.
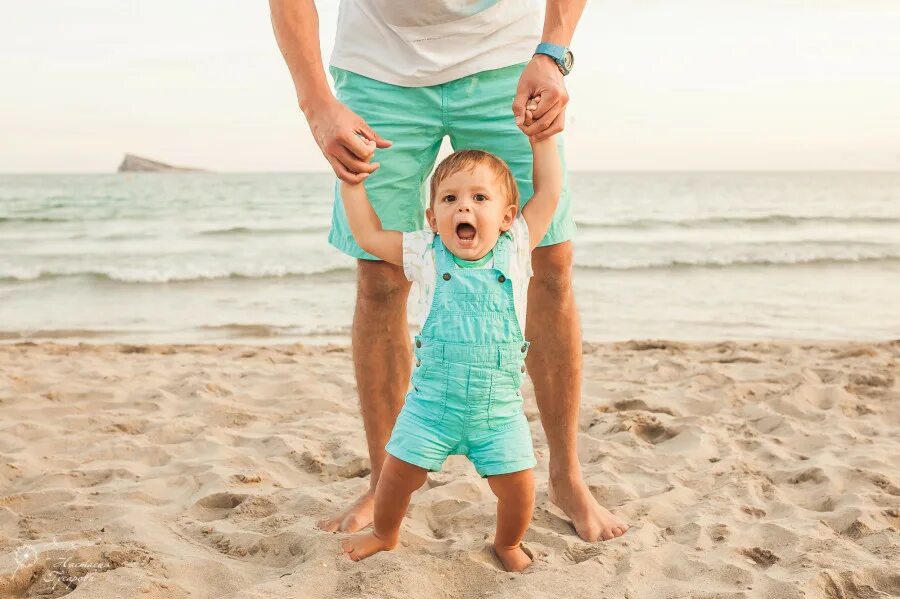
592,521
363,545
514,559
356,517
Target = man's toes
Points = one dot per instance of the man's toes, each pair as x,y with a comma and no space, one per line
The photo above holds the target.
348,548
618,531
327,524
590,534
353,523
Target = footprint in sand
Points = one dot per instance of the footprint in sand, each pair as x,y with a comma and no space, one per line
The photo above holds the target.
217,505
238,525
345,466
639,404
815,475
582,553
647,428
760,556
284,549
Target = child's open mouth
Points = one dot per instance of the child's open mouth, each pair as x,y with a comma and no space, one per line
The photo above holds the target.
465,234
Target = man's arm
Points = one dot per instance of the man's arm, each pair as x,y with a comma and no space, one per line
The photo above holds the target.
296,25
366,226
560,20
547,178
333,125
542,77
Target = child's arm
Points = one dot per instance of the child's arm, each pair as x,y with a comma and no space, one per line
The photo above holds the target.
547,178
366,226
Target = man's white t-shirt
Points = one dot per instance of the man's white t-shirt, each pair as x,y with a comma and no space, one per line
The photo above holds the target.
415,43
419,267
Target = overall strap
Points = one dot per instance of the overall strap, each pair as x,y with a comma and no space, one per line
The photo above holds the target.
443,261
503,253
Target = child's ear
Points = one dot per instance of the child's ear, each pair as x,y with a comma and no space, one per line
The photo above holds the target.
509,215
432,220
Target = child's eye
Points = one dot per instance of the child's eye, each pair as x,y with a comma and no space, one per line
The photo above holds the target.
480,197
449,198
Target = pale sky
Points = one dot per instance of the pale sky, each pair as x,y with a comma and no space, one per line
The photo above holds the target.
658,85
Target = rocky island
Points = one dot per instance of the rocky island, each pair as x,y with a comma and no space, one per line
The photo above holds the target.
137,164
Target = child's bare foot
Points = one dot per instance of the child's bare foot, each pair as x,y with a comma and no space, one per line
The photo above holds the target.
514,559
362,546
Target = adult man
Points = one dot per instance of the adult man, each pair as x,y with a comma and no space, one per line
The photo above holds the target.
407,73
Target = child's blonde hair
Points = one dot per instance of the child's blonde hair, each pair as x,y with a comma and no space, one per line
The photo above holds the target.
468,160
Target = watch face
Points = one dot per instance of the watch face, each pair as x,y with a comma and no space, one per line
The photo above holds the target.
568,60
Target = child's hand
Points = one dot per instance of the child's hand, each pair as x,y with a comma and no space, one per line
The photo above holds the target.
369,152
370,147
530,107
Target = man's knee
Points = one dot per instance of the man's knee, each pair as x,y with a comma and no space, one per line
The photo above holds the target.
553,269
381,283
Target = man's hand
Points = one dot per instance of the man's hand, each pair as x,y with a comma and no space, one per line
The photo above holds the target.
541,78
346,140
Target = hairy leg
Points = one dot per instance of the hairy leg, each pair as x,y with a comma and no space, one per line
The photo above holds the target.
515,506
382,361
554,364
397,482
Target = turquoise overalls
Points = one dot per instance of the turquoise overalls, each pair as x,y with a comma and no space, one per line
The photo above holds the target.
469,365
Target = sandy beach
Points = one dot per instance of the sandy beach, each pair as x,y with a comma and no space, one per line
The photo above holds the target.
745,469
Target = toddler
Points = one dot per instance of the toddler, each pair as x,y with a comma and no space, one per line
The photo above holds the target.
473,266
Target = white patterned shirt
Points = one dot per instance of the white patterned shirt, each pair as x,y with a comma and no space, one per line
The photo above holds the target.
415,43
418,265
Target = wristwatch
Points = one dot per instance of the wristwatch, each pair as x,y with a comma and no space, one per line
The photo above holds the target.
561,55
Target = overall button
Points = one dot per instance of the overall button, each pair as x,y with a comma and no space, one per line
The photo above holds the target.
446,276
419,362
523,368
419,344
524,347
501,278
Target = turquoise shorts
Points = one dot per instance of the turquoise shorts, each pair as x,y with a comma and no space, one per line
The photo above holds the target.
475,111
458,408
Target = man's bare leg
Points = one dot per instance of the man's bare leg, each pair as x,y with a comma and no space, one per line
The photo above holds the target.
515,506
382,360
554,364
395,486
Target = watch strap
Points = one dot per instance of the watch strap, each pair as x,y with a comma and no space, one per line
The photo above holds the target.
554,51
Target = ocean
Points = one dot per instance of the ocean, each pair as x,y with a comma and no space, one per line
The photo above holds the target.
203,257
